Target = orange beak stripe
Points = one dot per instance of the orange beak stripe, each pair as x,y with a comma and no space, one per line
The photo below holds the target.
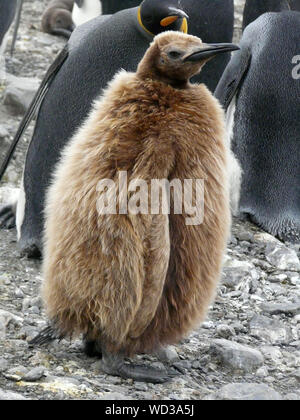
168,20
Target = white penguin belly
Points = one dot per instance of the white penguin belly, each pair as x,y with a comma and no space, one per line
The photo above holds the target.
20,211
89,10
235,177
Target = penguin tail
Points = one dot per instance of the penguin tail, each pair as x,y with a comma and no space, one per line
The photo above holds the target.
46,336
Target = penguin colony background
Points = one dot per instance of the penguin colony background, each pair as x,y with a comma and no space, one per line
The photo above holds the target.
262,125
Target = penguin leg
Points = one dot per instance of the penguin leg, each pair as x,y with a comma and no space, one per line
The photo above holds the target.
114,364
92,348
7,216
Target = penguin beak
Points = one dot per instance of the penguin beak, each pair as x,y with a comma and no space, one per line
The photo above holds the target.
174,14
209,51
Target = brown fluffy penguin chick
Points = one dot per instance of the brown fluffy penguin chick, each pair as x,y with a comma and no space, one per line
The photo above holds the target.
134,282
57,18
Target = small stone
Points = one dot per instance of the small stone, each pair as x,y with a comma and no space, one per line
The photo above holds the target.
16,373
34,374
235,355
19,93
269,330
271,353
5,319
12,396
3,132
208,325
279,278
281,308
3,364
245,236
141,386
168,354
19,293
282,257
225,331
114,396
236,272
262,372
183,365
296,374
292,397
247,392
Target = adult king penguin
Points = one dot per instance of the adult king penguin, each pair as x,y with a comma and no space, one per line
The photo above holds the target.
260,91
134,281
95,51
254,8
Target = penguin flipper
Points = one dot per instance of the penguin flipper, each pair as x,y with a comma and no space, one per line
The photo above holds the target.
45,336
8,216
36,102
233,77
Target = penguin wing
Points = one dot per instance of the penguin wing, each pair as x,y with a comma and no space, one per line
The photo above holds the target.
35,104
233,77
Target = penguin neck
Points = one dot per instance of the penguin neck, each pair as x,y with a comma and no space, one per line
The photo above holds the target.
155,75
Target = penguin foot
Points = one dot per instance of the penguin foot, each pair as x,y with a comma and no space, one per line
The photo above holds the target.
7,216
31,251
115,365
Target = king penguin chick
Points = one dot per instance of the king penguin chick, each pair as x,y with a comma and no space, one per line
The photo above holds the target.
57,18
131,283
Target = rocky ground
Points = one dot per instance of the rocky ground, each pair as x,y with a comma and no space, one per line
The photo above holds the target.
248,348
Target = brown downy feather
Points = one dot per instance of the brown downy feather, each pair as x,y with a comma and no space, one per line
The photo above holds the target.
136,282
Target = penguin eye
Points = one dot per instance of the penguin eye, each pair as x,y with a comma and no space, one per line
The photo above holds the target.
174,54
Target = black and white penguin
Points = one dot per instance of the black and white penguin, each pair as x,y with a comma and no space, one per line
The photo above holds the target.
254,8
7,15
94,53
260,89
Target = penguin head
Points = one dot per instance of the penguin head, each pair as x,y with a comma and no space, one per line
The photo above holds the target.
156,16
55,20
174,57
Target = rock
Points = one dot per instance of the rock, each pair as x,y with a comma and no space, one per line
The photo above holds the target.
3,132
262,372
168,354
282,257
34,374
292,397
5,319
247,392
281,308
296,374
141,386
235,355
236,272
16,373
3,364
225,331
8,195
271,353
12,396
272,331
114,396
19,93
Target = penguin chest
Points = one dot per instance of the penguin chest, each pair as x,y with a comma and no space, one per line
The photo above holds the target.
89,10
